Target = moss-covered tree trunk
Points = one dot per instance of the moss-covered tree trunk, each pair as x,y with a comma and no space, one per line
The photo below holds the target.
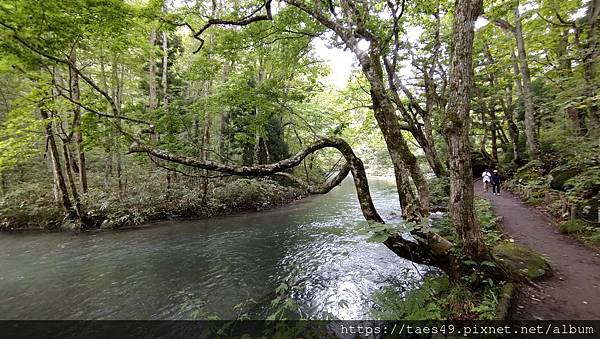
457,125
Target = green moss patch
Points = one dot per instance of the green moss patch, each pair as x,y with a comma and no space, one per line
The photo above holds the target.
521,262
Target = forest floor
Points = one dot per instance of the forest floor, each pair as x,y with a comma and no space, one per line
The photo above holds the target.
573,291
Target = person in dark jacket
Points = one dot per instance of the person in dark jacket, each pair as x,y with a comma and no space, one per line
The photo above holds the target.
496,183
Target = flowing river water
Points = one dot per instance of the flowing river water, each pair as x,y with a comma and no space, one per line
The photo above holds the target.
204,268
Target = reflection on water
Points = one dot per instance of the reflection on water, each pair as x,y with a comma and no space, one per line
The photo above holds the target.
184,269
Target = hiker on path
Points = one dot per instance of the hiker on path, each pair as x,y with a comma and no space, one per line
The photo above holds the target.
487,178
495,182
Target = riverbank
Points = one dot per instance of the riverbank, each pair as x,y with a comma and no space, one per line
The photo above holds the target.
27,209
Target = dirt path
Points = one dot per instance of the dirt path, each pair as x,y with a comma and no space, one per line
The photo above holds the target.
574,290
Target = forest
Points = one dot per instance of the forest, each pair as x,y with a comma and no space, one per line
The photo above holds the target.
116,115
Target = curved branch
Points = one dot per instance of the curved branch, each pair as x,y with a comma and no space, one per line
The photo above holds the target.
322,188
428,248
356,166
503,24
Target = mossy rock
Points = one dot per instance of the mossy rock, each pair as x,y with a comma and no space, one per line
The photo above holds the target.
522,263
531,172
559,176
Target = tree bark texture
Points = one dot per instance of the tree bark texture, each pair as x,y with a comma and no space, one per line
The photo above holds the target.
456,128
530,123
76,127
56,165
589,63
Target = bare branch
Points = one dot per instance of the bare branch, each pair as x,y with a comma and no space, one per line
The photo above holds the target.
250,18
503,24
559,24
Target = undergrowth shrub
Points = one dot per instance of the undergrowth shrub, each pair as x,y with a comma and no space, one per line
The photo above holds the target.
148,199
30,205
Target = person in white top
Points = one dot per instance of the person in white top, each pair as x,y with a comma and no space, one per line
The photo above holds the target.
487,178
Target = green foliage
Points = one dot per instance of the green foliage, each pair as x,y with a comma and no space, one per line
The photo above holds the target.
486,310
435,299
283,305
587,231
379,232
419,303
30,206
573,170
20,133
573,226
488,221
440,192
249,194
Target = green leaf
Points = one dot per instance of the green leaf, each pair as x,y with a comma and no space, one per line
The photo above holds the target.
378,237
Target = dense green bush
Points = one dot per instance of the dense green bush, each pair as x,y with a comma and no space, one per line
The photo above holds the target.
440,193
570,167
587,231
29,205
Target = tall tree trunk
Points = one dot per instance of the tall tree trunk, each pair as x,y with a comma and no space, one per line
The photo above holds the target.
431,98
76,200
152,99
165,88
385,112
530,123
152,86
492,108
224,123
589,63
55,190
117,96
258,150
206,145
494,136
508,107
77,135
456,128
224,135
402,157
573,115
4,182
423,135
56,165
165,69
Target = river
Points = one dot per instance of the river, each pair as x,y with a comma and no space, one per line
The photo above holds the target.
204,268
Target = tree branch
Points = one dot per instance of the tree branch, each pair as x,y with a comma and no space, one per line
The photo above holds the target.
250,18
